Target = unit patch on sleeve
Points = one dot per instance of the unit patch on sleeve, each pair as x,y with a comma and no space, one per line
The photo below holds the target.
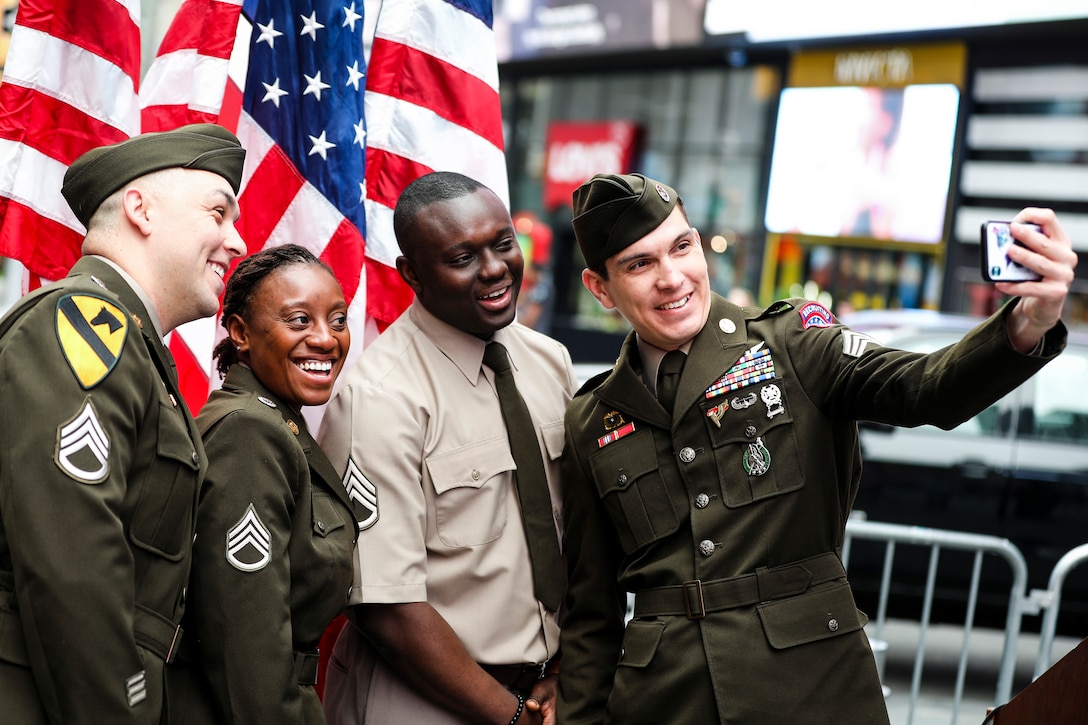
83,446
813,314
249,543
92,333
363,494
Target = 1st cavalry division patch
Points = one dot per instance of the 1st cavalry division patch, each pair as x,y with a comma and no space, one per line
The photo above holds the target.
92,333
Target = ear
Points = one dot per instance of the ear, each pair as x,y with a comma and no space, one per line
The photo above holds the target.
238,334
598,287
408,274
137,208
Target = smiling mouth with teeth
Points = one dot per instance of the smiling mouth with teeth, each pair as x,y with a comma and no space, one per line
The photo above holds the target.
314,366
495,295
674,305
219,269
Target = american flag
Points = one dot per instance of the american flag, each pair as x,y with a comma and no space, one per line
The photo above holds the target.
331,138
70,84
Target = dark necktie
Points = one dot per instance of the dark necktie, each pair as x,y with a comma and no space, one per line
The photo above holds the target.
668,377
532,483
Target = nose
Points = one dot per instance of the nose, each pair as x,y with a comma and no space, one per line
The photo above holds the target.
670,275
492,265
321,336
233,242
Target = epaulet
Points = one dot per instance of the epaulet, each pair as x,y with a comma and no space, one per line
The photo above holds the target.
593,382
776,308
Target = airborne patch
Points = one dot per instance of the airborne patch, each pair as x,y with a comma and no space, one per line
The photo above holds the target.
92,333
249,543
363,495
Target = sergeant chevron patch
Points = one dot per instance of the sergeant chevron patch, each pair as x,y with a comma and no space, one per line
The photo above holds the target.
83,447
249,543
363,494
136,688
854,344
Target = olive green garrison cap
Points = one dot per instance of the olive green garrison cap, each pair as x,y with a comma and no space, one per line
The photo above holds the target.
103,170
613,211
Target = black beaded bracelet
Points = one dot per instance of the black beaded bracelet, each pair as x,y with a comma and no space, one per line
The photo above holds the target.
521,708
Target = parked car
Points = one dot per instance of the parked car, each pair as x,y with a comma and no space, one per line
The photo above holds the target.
1017,470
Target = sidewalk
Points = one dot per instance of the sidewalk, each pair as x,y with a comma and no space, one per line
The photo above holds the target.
938,682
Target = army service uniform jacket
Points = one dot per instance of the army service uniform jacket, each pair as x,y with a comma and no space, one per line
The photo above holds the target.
743,493
272,563
100,467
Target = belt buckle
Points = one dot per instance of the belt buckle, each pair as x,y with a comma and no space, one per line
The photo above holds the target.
693,589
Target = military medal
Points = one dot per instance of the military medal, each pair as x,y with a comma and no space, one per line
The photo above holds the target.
615,435
716,413
741,403
757,459
772,398
754,366
613,420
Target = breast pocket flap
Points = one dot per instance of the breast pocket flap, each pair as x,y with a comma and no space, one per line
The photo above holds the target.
470,466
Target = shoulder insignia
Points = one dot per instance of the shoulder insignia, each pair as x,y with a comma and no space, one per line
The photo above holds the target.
92,333
363,494
249,543
83,447
854,344
266,401
593,382
813,314
776,308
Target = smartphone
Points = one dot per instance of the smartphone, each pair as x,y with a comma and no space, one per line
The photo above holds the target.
996,265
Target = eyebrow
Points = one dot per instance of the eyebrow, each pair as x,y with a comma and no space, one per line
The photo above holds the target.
633,257
231,201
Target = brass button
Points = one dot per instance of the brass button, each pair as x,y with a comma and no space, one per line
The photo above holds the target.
475,475
320,525
622,479
702,501
750,431
196,458
706,547
687,454
833,625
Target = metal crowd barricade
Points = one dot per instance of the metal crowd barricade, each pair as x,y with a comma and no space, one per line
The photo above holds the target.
1051,601
937,539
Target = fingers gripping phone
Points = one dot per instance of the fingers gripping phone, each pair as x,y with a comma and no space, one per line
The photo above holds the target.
996,265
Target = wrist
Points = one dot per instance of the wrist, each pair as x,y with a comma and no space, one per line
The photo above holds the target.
521,708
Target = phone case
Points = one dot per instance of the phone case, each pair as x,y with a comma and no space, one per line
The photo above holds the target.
996,265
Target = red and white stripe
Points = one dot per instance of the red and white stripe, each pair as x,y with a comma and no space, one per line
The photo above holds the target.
70,84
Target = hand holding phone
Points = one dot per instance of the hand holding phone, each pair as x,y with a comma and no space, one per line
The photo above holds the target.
996,265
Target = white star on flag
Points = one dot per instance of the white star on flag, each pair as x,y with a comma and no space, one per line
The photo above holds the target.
273,92
311,26
269,33
321,146
314,86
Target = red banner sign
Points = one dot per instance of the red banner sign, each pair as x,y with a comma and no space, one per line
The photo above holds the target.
576,151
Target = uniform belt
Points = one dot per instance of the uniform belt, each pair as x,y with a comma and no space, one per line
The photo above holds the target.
516,677
306,667
696,598
157,634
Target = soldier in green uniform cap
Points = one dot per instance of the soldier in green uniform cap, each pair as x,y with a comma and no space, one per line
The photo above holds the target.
100,461
712,470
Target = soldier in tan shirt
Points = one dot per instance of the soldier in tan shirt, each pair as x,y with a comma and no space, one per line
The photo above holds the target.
443,580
